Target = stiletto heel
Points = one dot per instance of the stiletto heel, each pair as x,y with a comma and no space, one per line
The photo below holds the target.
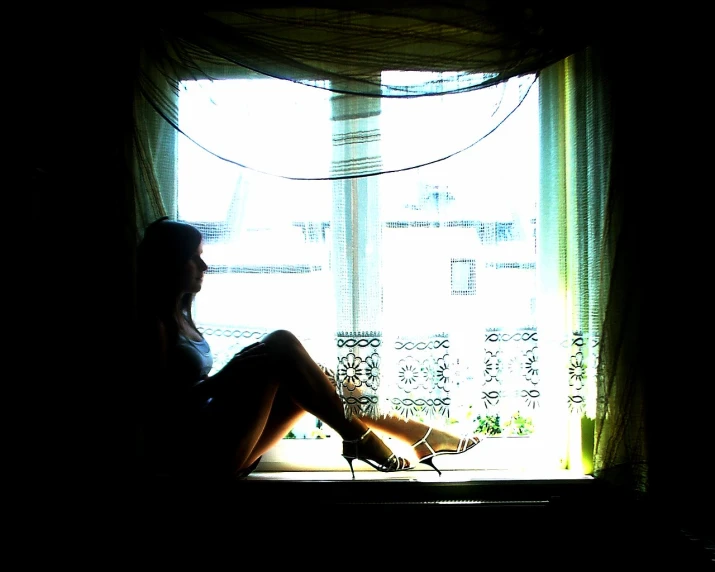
430,463
465,444
391,464
350,462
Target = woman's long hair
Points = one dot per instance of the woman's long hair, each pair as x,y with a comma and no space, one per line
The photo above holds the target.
162,255
161,261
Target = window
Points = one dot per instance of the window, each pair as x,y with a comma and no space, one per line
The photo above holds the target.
441,260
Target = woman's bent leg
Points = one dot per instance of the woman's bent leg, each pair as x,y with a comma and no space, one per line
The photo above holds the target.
308,385
247,414
234,421
283,416
313,391
260,395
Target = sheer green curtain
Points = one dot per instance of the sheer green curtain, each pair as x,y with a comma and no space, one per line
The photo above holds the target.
494,48
576,155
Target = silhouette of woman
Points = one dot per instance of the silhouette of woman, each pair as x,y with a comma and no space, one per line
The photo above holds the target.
217,425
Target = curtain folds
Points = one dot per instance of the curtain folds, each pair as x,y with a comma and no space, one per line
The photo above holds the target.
344,48
494,51
622,434
576,140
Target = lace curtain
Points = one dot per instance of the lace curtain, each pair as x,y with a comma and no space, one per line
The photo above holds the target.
420,360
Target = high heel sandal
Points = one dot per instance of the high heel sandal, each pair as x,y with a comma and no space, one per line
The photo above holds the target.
391,464
465,444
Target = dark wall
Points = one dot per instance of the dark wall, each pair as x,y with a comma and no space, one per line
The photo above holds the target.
77,343
659,170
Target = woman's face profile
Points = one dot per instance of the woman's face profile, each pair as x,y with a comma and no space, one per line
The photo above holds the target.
193,275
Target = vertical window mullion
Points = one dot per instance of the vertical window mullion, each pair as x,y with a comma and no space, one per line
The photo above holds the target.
356,211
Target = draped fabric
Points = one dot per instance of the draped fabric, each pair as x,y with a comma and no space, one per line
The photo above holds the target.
626,445
406,318
576,155
485,43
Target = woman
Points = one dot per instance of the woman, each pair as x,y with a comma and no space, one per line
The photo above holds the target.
218,425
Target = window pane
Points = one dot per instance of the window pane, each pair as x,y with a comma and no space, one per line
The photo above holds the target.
266,237
459,261
456,239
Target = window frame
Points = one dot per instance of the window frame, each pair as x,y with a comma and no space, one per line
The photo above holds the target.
320,454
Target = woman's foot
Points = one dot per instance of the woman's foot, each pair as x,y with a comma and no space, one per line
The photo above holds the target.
370,449
437,442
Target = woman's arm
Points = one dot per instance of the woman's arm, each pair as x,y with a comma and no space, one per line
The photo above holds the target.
250,361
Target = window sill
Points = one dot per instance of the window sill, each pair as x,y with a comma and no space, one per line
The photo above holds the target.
516,454
532,488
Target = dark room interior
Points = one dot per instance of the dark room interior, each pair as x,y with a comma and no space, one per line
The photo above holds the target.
77,143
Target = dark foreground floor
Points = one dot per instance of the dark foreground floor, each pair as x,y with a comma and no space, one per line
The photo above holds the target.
391,522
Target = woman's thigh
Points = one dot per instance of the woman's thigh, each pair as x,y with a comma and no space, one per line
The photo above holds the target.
233,419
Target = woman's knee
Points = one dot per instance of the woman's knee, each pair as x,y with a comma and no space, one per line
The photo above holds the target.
281,340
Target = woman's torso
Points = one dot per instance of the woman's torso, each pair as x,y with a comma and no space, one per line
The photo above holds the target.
193,358
177,401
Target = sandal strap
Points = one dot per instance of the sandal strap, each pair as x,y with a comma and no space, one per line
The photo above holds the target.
426,443
356,441
391,464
